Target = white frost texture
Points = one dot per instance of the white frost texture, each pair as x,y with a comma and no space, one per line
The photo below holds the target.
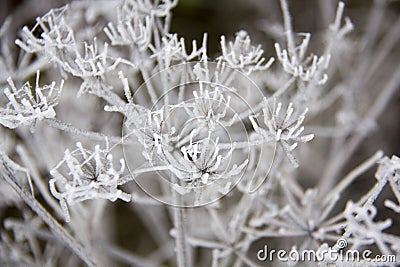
141,133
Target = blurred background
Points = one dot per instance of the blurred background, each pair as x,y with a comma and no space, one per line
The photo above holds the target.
262,19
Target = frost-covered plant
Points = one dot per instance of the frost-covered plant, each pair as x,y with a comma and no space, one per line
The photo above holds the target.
201,163
241,55
286,131
219,154
27,105
90,175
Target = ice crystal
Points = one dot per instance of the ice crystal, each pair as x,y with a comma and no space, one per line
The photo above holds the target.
207,142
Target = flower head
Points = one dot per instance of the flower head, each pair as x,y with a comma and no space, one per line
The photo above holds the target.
283,129
296,64
27,105
242,55
201,163
88,175
210,106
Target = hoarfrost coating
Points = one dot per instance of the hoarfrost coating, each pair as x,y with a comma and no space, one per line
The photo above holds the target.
115,129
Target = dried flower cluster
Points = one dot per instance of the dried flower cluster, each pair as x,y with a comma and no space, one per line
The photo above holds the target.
218,155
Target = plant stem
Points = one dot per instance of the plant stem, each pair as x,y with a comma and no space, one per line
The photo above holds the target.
89,134
335,166
181,244
56,228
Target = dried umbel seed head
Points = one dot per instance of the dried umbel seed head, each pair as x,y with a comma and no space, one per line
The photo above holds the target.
206,141
27,105
87,175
